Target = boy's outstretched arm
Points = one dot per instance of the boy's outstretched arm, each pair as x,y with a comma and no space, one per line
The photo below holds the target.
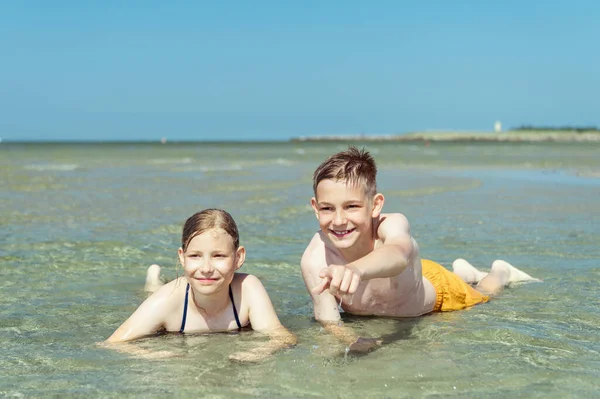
388,260
325,304
394,253
263,319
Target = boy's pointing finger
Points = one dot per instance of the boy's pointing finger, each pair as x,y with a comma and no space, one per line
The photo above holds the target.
326,273
323,285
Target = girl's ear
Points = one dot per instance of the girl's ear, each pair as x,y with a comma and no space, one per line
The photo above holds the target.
378,201
315,206
240,257
180,254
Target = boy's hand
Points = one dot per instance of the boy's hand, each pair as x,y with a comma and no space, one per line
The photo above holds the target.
364,344
339,279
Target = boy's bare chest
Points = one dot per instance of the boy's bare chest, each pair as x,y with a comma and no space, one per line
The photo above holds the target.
374,297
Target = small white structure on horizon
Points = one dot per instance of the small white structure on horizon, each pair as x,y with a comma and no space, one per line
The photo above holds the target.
497,126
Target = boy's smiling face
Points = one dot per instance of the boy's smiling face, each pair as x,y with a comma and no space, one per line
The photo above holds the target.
345,212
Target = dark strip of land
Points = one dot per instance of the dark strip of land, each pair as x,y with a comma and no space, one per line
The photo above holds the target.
519,135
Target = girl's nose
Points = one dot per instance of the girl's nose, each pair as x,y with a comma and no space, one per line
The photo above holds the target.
206,266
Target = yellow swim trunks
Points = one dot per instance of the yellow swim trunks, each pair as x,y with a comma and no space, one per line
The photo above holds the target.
452,292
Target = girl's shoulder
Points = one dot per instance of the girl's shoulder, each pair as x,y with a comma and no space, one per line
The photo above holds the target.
250,292
170,292
176,283
246,282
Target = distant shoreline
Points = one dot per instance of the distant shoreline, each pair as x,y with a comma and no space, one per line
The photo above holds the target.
450,136
562,136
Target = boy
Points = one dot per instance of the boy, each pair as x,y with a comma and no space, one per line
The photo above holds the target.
369,263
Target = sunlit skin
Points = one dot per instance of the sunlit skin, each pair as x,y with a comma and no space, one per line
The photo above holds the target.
345,215
362,258
368,262
210,262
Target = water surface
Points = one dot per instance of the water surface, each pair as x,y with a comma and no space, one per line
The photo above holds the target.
81,222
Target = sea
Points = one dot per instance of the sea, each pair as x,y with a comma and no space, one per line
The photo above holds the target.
81,222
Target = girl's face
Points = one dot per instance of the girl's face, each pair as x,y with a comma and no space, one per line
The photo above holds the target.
210,260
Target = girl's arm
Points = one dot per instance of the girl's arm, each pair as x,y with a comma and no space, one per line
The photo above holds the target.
264,320
149,318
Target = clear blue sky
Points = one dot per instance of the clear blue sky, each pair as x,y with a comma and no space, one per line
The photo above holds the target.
125,70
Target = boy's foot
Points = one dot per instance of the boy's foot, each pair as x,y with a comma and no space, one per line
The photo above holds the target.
153,281
513,275
467,272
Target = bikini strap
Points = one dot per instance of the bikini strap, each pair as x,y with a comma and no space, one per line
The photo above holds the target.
185,306
235,313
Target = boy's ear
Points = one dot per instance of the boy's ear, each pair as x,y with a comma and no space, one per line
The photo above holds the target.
378,201
315,206
240,256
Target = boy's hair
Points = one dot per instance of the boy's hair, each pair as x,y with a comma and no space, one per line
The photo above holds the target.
352,166
208,219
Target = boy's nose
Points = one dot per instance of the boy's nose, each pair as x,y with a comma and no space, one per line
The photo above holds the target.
340,218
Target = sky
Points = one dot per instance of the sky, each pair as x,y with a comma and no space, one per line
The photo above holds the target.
274,70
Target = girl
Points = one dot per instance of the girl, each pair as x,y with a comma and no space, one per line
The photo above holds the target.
211,296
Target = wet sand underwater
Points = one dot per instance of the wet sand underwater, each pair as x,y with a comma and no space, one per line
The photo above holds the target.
81,222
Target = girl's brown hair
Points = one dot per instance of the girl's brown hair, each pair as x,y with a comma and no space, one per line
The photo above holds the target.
208,219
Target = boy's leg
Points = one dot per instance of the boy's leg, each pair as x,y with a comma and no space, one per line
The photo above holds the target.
493,283
467,272
514,275
501,274
153,281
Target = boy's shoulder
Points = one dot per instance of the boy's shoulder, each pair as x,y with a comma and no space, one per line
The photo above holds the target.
314,254
392,221
393,217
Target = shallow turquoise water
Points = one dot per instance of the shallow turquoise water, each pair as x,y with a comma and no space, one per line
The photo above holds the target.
80,224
